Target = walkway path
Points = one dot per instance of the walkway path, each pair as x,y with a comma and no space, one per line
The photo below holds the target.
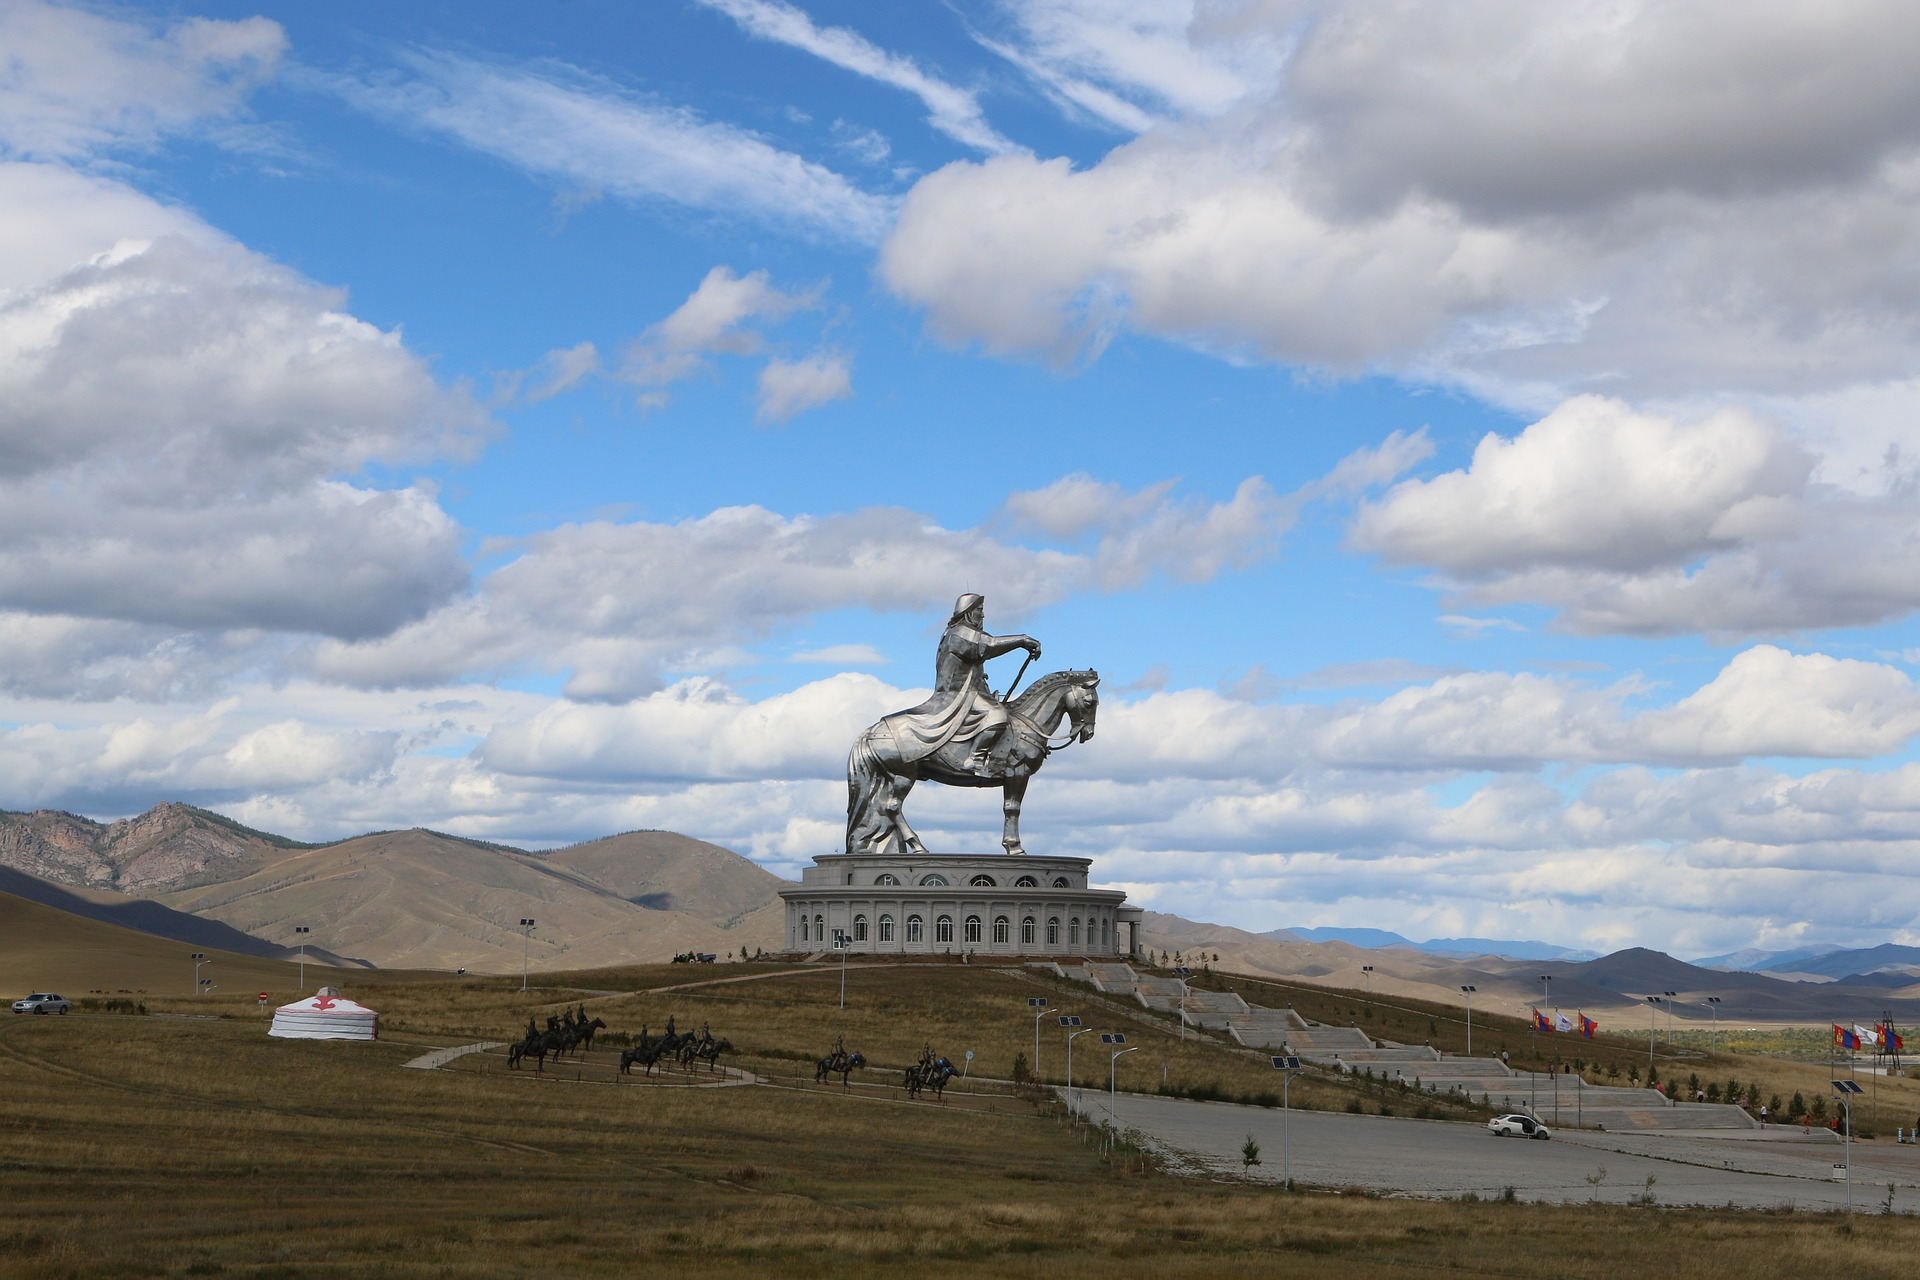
441,1057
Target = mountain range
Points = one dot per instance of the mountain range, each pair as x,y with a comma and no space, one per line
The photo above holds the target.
422,899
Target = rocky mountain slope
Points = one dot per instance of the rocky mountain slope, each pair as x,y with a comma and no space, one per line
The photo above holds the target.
413,899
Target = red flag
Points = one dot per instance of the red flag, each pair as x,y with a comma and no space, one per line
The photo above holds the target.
1588,1026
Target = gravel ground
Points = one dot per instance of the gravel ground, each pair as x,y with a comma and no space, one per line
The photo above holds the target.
1432,1158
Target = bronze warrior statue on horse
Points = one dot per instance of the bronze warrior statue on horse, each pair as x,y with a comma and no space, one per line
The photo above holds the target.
964,735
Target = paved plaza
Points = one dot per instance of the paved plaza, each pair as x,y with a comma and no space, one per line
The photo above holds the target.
1766,1169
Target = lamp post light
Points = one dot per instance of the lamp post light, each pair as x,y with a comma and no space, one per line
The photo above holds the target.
1181,975
1844,1091
843,943
300,932
1113,1076
199,958
526,948
1070,1021
1713,1037
1039,1006
1286,1066
1669,995
1468,993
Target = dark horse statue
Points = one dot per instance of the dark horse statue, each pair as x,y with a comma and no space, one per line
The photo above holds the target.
894,754
840,1063
926,1074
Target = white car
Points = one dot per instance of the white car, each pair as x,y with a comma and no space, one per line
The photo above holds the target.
1517,1126
42,1002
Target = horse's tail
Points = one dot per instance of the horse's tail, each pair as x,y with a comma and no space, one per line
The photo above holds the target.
864,772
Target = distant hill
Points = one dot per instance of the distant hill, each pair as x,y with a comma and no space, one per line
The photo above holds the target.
1377,938
1841,964
1754,958
155,919
43,948
414,899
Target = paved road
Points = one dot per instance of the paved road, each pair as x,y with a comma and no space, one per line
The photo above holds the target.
1438,1158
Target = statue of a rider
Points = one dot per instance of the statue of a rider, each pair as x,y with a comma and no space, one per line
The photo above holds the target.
962,707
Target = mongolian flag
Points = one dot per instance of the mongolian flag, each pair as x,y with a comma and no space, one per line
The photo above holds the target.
1588,1026
1540,1021
1844,1039
1889,1038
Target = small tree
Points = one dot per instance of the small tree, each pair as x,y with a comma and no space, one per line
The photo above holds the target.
1753,1095
1249,1153
1773,1107
1653,1075
1693,1083
1713,1092
1613,1071
1819,1106
1732,1092
1020,1068
1798,1107
1633,1074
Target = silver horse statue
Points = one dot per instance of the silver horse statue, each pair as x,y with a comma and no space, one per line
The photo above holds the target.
964,736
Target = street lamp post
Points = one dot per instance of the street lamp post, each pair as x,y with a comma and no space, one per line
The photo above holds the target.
526,948
1546,1002
1286,1066
1113,1076
199,958
1713,1037
1181,975
1070,1021
843,944
1366,971
300,932
1669,995
1039,1006
1653,1005
1468,992
1843,1093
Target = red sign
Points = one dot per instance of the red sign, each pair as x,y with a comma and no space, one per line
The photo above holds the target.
263,997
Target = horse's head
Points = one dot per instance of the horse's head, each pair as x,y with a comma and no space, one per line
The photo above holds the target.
1083,703
857,1060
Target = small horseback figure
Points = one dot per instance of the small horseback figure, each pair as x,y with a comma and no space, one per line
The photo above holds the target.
930,1072
839,1062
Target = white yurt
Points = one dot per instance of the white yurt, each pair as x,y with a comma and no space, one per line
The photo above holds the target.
327,1016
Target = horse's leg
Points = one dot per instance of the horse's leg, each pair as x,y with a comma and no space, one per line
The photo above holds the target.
898,787
1012,792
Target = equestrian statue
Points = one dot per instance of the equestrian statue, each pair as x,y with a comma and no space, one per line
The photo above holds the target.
964,735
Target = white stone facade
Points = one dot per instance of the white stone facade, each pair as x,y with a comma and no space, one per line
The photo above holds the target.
948,904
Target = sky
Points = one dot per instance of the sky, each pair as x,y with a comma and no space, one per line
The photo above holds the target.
1476,444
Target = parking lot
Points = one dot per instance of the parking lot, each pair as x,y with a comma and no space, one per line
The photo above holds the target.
1763,1169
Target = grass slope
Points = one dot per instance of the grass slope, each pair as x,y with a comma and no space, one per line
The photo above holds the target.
156,1147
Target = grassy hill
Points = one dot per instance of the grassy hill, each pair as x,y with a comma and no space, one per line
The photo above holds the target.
423,900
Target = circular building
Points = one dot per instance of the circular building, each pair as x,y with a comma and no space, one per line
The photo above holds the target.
949,904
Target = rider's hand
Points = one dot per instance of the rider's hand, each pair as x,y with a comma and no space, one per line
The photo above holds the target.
1032,646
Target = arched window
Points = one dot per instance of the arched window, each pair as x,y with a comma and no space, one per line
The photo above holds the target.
943,929
982,882
973,929
913,929
803,928
886,928
1026,882
1053,931
886,877
933,879
819,929
1073,932
1026,932
859,928
1002,931
1060,882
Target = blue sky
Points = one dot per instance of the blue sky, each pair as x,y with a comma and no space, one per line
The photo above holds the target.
1476,446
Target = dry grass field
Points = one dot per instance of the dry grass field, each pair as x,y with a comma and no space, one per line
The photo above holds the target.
163,1146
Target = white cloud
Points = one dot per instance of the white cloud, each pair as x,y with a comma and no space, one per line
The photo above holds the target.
789,387
77,82
176,417
1634,522
1527,200
562,125
952,110
618,604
